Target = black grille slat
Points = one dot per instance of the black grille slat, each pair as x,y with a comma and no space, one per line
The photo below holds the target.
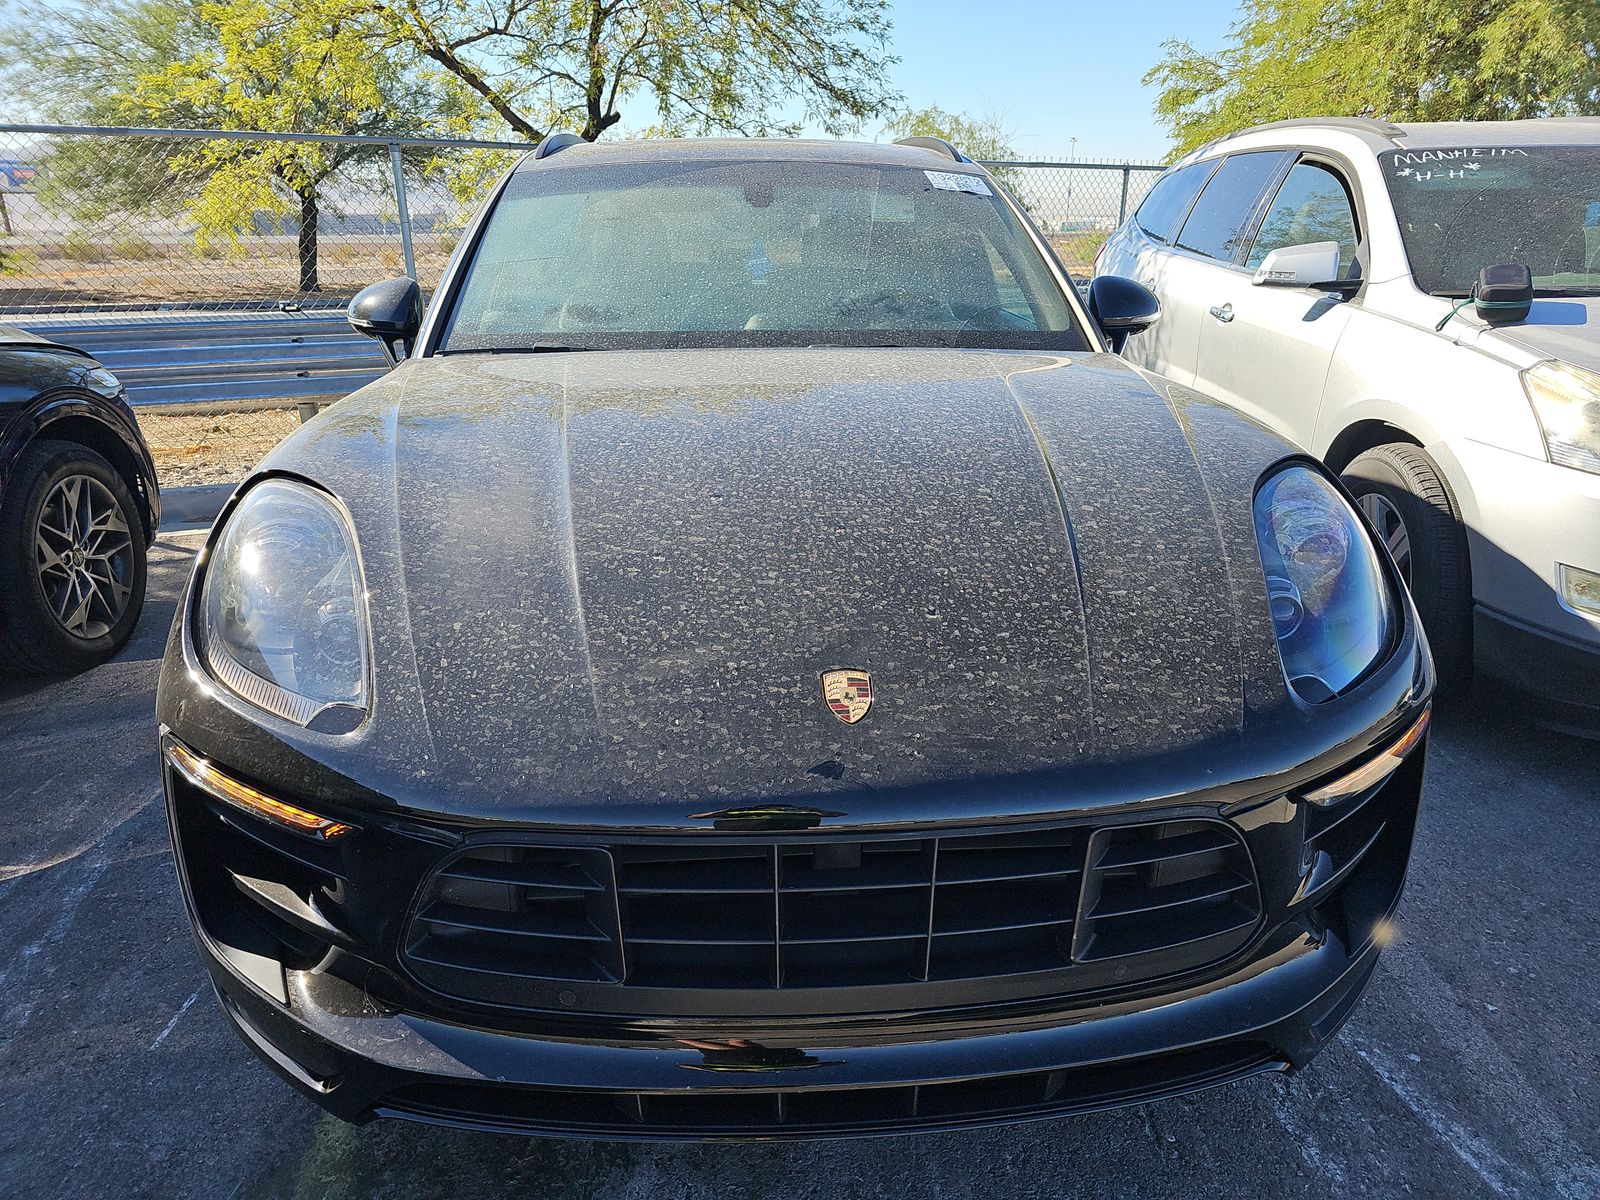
670,871
846,916
1124,901
535,911
786,915
1183,888
1120,942
556,876
545,925
811,1111
1139,853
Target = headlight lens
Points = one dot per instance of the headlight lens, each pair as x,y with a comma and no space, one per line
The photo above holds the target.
1566,400
282,614
1331,606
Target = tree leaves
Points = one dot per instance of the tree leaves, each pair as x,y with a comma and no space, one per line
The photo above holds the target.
1400,60
755,67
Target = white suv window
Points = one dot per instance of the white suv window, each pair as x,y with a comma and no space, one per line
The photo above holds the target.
1222,216
1169,200
1311,206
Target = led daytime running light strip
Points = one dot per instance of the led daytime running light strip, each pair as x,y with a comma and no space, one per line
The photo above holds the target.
229,790
1376,769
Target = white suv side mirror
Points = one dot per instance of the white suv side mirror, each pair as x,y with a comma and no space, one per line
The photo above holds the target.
1299,266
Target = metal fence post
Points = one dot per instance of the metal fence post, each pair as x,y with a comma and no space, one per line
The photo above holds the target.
405,211
1122,209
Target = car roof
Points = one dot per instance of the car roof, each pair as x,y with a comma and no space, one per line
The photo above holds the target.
1420,135
10,335
876,154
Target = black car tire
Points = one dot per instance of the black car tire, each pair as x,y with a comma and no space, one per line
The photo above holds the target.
32,639
1439,571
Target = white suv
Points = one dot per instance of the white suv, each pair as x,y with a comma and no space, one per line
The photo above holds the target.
1319,275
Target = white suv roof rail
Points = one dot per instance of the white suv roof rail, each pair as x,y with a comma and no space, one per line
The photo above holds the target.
1368,125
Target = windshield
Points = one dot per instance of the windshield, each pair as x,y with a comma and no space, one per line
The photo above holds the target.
1467,208
668,254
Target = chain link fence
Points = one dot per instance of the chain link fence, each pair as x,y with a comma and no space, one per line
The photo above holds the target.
1077,205
98,220
210,270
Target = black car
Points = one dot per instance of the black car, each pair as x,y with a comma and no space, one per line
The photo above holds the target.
760,667
78,508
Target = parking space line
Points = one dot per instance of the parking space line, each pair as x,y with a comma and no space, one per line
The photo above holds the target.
1459,1140
177,1016
70,903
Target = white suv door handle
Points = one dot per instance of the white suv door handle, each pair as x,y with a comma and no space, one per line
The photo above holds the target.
1222,312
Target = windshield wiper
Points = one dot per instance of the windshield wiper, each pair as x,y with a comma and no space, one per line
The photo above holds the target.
536,348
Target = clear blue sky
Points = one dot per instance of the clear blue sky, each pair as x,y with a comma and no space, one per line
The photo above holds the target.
1054,71
1051,70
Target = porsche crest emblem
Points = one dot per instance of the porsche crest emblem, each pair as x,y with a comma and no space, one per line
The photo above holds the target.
847,693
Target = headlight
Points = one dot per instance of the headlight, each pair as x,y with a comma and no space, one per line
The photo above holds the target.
1566,400
283,617
1331,606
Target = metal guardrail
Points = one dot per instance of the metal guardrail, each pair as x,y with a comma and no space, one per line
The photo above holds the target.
226,363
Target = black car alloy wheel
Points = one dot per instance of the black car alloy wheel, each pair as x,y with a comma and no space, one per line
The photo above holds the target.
83,547
1405,498
72,561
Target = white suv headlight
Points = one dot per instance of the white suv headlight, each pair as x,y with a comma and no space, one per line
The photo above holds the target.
1566,400
283,611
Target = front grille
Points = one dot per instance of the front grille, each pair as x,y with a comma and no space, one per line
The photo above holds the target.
783,916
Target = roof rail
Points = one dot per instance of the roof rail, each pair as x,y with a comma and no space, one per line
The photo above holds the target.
1385,129
555,143
937,144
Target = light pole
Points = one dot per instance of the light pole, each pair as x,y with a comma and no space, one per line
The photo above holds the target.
1072,157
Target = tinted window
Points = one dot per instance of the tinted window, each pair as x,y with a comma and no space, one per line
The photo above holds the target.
1311,206
674,253
1468,207
1164,207
1221,217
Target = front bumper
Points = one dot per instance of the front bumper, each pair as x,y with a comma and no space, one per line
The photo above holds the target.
1525,517
1560,677
1271,1016
341,1021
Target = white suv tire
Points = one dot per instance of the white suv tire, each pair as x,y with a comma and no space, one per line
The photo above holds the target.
1403,493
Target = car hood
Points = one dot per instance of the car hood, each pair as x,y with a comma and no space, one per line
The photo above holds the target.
1567,329
614,579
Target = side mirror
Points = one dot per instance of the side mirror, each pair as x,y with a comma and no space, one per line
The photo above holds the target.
1310,265
390,311
1504,294
1122,308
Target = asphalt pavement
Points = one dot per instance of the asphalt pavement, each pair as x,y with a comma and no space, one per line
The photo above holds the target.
1472,1068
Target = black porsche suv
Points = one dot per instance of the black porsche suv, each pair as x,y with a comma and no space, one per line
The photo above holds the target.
79,506
762,666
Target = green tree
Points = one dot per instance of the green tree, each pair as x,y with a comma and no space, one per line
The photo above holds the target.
269,66
710,66
1399,60
282,66
986,138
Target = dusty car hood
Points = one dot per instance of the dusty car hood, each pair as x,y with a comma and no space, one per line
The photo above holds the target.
1565,328
614,578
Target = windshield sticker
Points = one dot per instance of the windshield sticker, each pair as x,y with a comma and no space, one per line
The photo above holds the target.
949,181
1427,166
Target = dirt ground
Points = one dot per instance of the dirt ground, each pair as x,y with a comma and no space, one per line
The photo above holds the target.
192,448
